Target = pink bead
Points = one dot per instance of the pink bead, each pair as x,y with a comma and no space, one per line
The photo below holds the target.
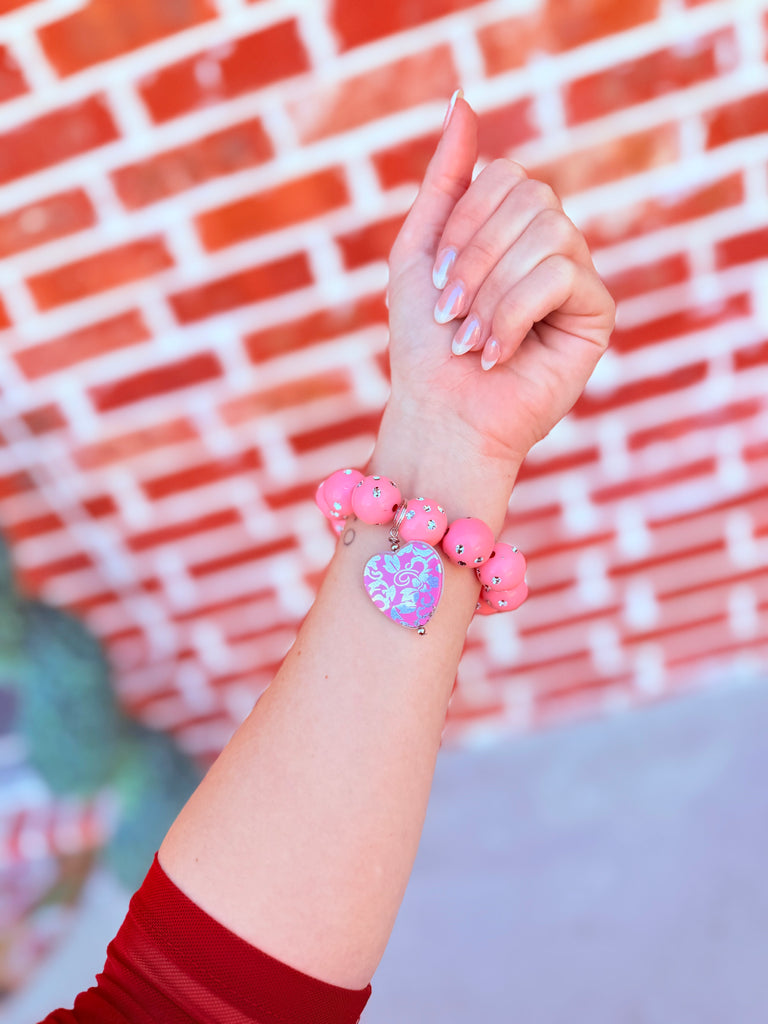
424,520
337,492
468,542
504,569
375,500
506,600
483,608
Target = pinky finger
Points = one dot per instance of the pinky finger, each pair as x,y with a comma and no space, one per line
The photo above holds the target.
556,285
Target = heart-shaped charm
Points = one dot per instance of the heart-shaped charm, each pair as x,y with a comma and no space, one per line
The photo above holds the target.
405,585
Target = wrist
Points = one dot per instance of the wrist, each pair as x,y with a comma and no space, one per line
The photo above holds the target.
414,451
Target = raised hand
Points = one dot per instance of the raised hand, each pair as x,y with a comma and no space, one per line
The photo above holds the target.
501,349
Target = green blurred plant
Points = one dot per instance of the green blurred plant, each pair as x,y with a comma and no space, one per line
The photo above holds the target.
77,736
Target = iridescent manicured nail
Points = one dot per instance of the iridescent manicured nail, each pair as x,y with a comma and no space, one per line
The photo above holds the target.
490,355
449,303
457,95
466,336
445,260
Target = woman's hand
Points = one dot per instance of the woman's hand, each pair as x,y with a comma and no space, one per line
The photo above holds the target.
525,317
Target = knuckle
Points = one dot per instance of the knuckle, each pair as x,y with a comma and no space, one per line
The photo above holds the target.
561,233
541,195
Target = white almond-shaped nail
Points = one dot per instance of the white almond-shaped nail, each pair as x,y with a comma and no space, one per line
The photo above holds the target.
490,355
442,268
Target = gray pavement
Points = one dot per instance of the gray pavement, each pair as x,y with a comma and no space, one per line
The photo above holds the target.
610,872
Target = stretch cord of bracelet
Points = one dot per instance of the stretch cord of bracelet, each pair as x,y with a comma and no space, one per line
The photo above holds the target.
405,582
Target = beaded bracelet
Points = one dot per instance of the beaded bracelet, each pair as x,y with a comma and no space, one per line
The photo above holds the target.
405,583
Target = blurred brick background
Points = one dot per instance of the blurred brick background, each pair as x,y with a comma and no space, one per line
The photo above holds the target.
197,198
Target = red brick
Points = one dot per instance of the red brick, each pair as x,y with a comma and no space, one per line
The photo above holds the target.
325,325
137,442
370,243
12,81
648,276
159,380
165,174
677,629
742,118
756,451
682,322
673,429
202,474
533,468
567,24
744,248
251,62
210,611
243,555
645,566
664,211
752,355
44,418
355,23
100,30
44,220
308,440
87,343
295,495
509,44
405,163
420,78
553,544
34,578
15,483
757,497
296,392
645,78
50,522
502,129
99,273
99,506
637,485
241,288
639,390
616,158
187,528
55,137
291,203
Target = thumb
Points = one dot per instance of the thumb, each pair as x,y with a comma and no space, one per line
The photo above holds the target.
447,178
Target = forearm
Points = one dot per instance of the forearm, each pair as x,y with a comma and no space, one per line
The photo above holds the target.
302,836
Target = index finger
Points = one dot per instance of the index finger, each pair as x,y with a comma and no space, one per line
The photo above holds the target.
483,197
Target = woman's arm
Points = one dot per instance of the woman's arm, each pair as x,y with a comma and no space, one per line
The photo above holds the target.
302,836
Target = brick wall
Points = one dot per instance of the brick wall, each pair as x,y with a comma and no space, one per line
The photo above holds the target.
196,203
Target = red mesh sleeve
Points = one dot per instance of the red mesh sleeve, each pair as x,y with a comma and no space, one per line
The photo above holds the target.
174,963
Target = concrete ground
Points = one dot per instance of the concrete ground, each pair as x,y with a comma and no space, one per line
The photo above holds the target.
610,872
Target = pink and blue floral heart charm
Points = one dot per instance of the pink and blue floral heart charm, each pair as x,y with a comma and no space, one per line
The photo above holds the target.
405,584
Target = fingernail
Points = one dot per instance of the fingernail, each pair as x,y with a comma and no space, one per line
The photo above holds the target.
490,355
466,336
457,95
449,303
442,268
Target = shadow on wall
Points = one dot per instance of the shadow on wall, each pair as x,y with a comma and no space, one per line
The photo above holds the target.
115,784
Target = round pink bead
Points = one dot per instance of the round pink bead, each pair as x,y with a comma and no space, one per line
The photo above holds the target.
504,569
375,500
424,520
483,608
468,542
337,492
506,600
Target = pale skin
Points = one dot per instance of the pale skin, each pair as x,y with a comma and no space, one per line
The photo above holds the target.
302,836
